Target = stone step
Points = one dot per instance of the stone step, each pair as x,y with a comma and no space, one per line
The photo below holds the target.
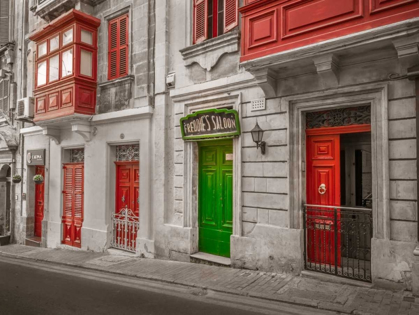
33,241
212,260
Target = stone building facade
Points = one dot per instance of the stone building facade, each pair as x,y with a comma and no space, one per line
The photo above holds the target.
333,186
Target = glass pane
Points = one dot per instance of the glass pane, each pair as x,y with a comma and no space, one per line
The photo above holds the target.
42,73
68,36
67,63
54,43
42,49
53,68
86,37
86,63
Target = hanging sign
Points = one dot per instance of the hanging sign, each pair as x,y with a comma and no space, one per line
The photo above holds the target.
35,157
210,123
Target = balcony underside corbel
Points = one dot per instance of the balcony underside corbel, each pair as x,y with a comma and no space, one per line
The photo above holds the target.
53,133
84,129
266,79
328,70
408,53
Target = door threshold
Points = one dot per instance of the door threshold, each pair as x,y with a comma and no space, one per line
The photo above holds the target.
214,259
120,252
334,279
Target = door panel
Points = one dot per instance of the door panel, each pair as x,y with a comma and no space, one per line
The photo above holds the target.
323,188
215,197
39,203
73,203
127,197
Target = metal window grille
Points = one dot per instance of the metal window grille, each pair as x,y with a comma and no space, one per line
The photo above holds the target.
338,241
339,117
77,156
126,153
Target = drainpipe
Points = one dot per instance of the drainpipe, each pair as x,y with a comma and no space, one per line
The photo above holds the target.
413,74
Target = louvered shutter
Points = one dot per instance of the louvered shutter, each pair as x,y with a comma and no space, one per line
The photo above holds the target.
68,204
78,204
200,28
78,192
231,14
118,47
123,46
113,50
4,21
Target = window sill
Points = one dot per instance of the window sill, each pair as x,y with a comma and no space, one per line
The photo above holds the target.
116,82
207,53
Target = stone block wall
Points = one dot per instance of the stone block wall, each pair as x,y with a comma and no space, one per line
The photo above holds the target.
265,177
402,161
137,89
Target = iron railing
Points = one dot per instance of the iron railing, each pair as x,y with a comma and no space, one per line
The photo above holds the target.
338,240
125,225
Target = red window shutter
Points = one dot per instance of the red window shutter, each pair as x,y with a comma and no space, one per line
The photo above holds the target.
78,192
118,47
200,27
231,14
68,192
123,46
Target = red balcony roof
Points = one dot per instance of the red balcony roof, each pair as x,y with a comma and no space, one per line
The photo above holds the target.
62,21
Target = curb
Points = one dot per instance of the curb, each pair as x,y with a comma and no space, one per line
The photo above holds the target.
319,305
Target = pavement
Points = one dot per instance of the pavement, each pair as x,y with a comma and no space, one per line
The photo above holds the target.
345,298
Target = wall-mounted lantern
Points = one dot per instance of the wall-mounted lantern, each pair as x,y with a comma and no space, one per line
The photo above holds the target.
257,135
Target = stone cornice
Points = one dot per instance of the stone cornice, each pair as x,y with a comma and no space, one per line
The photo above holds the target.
207,53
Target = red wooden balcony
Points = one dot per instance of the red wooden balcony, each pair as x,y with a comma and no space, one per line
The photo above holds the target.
65,70
274,26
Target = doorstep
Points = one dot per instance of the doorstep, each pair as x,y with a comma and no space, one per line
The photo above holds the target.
334,279
212,259
118,252
34,241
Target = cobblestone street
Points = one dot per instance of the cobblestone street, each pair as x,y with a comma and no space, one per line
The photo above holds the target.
359,299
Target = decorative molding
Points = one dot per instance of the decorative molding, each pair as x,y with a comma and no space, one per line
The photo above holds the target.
53,133
243,80
31,131
209,52
266,78
408,52
328,69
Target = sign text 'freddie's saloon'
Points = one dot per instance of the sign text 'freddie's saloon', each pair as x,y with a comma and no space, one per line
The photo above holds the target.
210,123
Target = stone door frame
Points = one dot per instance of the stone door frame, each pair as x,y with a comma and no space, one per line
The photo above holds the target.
192,164
375,95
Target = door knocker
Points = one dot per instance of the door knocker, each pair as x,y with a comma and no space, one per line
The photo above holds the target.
322,189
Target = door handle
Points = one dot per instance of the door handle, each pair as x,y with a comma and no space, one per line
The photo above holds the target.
322,189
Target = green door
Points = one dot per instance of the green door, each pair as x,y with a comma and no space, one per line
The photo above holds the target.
215,196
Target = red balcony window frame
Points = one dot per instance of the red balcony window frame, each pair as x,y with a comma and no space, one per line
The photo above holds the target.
75,92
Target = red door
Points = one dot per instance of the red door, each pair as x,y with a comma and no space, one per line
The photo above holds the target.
323,188
127,198
39,202
73,201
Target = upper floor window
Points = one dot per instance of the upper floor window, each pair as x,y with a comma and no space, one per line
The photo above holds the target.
118,47
213,18
60,56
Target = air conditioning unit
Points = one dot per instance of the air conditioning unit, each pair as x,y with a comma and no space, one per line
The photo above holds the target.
25,108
